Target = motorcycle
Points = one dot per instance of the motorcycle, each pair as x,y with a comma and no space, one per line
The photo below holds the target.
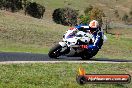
70,46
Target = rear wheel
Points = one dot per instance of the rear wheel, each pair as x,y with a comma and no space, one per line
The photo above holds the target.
95,52
55,51
86,55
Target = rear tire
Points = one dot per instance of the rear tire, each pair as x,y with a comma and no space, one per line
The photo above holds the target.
55,51
86,55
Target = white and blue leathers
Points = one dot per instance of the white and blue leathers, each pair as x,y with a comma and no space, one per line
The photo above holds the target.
97,38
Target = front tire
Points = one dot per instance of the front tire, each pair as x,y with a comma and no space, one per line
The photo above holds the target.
55,51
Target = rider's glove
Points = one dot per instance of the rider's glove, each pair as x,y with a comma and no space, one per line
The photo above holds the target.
84,46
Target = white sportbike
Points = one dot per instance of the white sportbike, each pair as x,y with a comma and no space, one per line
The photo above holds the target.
70,46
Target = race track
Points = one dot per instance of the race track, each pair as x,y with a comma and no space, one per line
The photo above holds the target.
29,57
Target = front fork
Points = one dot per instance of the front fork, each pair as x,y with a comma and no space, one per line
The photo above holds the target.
63,44
65,48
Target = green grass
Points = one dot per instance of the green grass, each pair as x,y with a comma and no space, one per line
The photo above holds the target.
18,47
32,35
106,5
83,3
118,48
59,75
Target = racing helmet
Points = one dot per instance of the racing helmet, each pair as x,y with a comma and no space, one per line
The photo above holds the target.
93,25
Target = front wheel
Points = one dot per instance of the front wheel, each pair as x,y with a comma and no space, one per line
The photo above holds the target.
55,51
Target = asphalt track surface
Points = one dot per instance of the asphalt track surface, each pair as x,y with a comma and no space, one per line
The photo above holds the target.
30,57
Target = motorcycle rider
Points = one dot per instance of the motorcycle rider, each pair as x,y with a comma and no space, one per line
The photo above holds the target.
97,39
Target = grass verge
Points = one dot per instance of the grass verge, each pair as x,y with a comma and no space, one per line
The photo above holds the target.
117,46
58,75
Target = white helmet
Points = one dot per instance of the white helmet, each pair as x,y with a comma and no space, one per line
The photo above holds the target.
94,24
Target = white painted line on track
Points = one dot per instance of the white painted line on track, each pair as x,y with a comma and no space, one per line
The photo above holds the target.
52,62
